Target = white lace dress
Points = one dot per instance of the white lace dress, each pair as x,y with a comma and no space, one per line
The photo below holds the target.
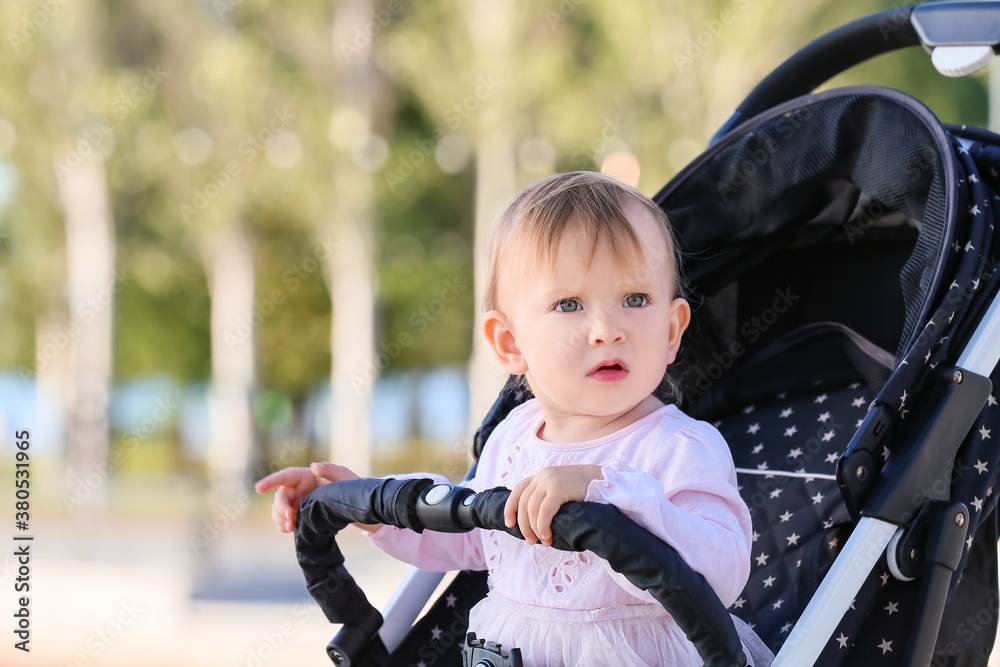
670,473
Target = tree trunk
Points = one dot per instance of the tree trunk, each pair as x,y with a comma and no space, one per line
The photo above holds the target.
350,267
489,28
92,284
229,263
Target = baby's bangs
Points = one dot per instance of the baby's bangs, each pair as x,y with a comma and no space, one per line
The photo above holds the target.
591,207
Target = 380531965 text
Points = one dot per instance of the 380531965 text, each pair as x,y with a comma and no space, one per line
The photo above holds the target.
22,541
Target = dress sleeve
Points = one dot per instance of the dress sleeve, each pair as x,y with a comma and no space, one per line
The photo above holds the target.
692,503
430,550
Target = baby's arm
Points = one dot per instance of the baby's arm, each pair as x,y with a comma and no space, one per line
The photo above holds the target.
693,505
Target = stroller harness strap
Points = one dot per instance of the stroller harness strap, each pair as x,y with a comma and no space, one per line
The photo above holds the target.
417,504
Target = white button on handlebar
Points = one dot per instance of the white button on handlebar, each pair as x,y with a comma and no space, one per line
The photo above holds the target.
436,494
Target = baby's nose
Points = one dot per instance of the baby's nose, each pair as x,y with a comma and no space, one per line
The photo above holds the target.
605,330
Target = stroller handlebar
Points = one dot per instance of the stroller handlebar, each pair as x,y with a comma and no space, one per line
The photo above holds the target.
931,24
418,504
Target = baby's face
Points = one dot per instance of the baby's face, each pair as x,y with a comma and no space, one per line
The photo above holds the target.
597,339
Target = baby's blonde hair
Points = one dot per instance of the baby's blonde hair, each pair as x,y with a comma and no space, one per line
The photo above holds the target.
588,201
585,201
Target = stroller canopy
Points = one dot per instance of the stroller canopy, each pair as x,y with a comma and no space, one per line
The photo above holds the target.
842,169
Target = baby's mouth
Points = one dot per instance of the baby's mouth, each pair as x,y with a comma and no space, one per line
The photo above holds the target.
609,371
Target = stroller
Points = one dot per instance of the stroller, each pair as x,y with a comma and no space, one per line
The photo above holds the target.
840,248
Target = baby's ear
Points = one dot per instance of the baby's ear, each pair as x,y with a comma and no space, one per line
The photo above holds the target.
500,336
680,317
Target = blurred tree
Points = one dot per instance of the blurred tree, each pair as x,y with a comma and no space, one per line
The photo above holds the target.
66,79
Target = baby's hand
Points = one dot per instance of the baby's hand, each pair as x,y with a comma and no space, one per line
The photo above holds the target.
536,499
293,485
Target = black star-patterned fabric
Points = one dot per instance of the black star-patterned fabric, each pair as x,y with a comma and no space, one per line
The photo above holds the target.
786,453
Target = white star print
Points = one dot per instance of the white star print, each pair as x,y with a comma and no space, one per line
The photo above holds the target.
973,179
968,247
786,627
980,466
795,453
451,600
786,516
854,385
786,413
902,399
768,582
753,428
858,402
968,543
842,640
776,493
977,503
885,452
777,605
739,603
832,458
985,432
828,436
928,357
823,417
790,431
974,209
762,559
762,466
820,398
758,448
833,543
885,646
748,409
892,608
884,578
817,499
755,535
793,539
436,632
992,400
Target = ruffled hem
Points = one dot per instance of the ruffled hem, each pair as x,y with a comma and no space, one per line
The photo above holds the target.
627,635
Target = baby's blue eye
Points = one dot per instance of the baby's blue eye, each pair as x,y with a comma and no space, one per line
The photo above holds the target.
635,301
569,306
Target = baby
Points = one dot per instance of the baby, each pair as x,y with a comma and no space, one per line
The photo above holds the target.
582,294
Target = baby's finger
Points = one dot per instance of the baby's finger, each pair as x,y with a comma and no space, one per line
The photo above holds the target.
510,507
279,516
287,505
286,477
524,514
543,521
332,472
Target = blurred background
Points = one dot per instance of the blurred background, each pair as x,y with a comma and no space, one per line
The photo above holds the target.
238,235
